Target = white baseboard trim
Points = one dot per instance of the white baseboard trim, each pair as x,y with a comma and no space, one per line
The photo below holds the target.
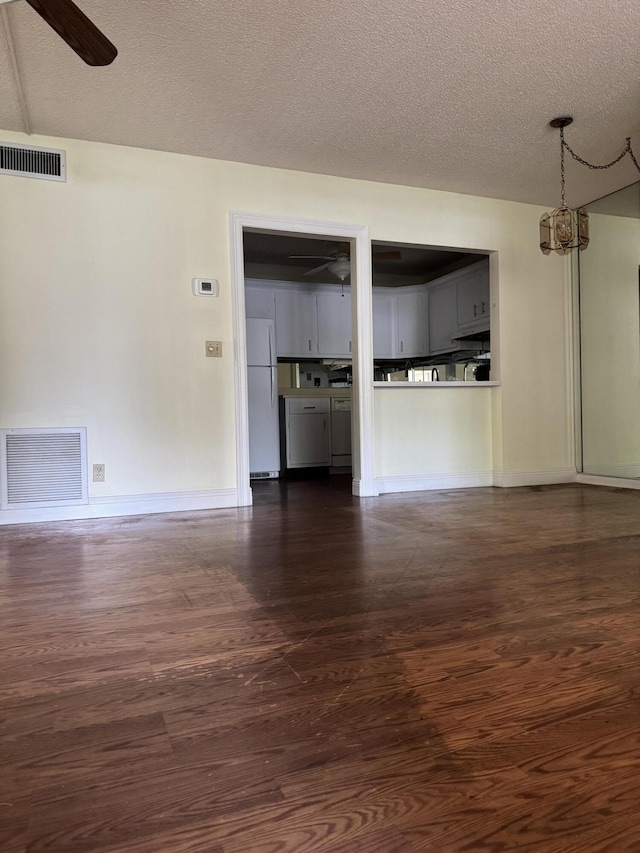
511,479
358,489
430,482
113,506
615,482
625,472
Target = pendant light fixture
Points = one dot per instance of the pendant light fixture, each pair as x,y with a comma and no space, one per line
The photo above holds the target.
341,267
565,229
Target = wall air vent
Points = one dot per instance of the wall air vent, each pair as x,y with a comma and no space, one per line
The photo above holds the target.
50,164
43,467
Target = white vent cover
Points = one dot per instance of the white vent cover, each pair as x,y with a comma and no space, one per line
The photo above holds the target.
43,467
50,164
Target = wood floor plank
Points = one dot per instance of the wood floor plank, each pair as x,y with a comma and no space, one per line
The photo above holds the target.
441,672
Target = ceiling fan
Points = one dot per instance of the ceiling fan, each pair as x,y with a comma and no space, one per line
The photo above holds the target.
339,264
79,32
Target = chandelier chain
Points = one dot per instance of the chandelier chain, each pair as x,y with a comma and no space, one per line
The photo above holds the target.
562,145
627,150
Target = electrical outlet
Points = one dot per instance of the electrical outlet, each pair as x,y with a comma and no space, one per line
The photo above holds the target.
98,473
213,349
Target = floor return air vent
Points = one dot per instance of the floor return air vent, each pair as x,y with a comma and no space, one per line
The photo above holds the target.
49,164
43,467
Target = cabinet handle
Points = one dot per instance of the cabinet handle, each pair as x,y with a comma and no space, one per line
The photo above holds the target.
349,346
401,346
483,307
309,344
475,310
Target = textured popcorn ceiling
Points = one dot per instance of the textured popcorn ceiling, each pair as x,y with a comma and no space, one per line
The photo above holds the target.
449,94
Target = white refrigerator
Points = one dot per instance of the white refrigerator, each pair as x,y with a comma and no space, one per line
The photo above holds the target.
264,426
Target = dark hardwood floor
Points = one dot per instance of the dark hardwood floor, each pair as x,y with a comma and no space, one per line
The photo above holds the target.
443,672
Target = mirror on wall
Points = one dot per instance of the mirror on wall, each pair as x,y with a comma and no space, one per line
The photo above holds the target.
609,311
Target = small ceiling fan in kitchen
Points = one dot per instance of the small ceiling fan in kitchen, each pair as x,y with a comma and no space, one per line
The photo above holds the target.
74,27
338,262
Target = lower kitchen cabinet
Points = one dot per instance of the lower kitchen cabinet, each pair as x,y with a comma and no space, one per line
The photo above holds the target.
307,434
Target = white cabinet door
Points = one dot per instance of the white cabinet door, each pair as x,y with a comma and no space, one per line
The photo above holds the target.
382,316
411,331
307,432
296,323
473,297
443,316
260,303
308,444
334,325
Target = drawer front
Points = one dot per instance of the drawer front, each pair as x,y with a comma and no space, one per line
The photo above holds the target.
307,405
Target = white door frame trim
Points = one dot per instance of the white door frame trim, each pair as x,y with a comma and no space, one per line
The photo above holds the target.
364,483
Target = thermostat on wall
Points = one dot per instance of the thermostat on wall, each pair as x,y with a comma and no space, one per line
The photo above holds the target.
205,287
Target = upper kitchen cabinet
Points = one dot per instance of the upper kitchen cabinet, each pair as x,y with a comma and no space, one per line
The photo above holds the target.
334,324
459,307
399,322
473,308
411,325
260,303
443,315
296,323
382,323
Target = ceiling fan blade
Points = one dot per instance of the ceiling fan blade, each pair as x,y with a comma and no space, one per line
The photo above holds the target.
319,257
317,269
387,256
79,32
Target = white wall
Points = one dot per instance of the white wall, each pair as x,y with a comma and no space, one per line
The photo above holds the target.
98,326
436,447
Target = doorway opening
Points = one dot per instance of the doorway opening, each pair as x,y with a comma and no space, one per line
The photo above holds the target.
304,374
299,357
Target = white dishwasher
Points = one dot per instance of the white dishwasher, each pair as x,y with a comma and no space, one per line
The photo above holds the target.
308,442
340,432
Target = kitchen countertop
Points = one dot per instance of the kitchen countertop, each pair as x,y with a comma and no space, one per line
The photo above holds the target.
346,392
443,384
314,392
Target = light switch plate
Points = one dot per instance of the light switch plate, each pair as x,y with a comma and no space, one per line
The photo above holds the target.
213,349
